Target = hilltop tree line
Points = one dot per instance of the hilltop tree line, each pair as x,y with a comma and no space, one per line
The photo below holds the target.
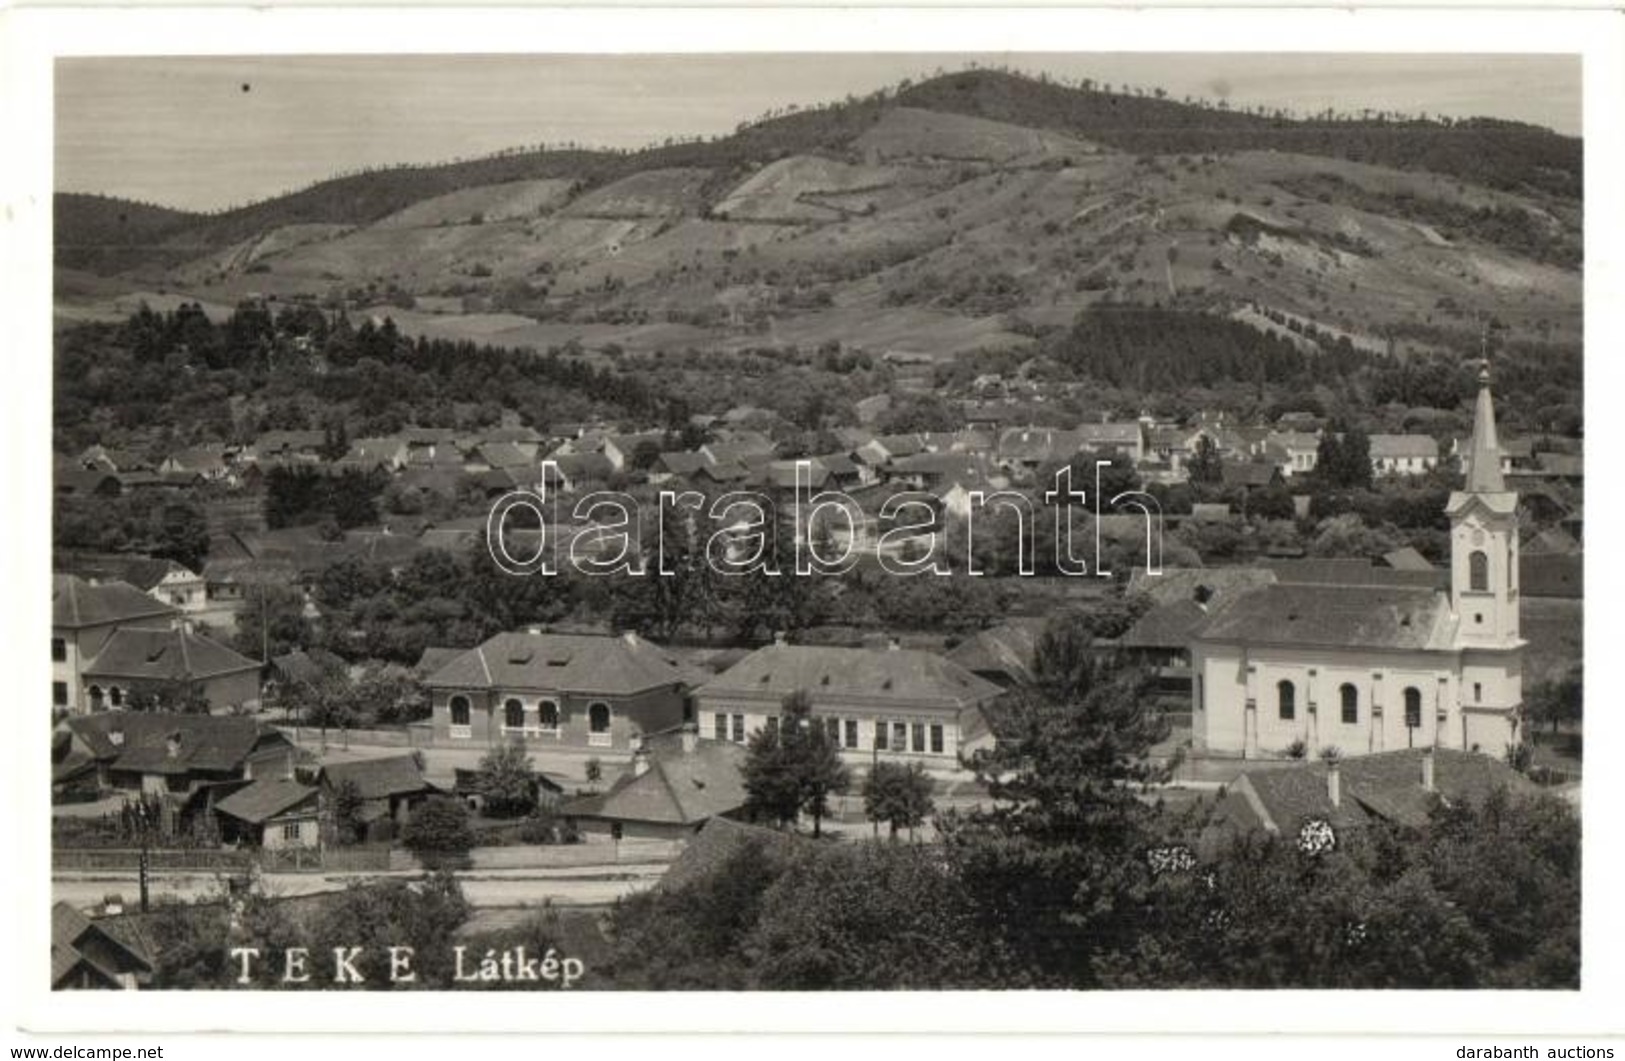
180,371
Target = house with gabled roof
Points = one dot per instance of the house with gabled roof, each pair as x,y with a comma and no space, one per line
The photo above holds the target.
893,703
390,788
677,782
1399,787
174,754
574,690
94,954
1403,454
167,581
137,659
84,614
272,813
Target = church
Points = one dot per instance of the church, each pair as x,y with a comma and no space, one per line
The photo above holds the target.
1373,668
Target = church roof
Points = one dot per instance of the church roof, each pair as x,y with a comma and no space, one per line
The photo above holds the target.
1386,617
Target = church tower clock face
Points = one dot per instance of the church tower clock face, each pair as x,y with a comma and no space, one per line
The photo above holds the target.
1478,535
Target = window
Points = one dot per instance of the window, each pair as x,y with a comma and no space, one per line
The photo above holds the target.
96,703
115,696
851,733
721,730
513,714
59,694
550,714
880,736
1287,697
1478,572
1478,692
1413,707
59,650
459,710
739,728
832,729
1351,703
290,830
919,736
936,739
899,736
598,718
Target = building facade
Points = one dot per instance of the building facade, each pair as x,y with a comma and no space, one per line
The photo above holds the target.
1374,668
575,690
896,704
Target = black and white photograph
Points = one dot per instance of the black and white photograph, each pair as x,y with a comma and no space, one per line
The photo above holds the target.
1058,522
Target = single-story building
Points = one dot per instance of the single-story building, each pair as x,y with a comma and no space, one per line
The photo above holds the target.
580,690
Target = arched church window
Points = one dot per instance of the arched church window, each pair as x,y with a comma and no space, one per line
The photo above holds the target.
1351,703
1478,572
1287,697
1413,707
513,714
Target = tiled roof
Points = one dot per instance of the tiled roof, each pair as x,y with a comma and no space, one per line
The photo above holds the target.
378,778
434,657
584,663
1394,447
1386,785
76,604
1004,649
1248,473
264,799
718,841
826,673
164,655
503,455
1407,559
1342,616
1174,584
678,788
135,740
1353,572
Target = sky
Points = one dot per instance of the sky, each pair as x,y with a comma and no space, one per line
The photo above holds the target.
214,132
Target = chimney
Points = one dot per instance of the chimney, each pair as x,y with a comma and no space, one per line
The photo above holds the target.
778,637
172,744
1427,770
1334,783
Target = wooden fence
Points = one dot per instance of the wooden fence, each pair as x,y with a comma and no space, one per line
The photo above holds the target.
201,859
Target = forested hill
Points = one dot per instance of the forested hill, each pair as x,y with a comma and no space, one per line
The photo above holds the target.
108,235
1506,155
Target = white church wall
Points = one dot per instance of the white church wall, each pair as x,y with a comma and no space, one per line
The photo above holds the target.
1222,726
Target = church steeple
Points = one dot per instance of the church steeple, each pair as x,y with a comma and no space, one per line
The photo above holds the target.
1484,538
1484,456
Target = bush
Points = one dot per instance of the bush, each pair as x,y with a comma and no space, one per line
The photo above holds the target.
439,833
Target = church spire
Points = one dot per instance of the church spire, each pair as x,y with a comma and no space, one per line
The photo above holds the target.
1484,463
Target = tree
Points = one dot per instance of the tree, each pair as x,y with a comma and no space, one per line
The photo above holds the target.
794,767
348,826
1205,466
898,795
507,780
1559,699
439,832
